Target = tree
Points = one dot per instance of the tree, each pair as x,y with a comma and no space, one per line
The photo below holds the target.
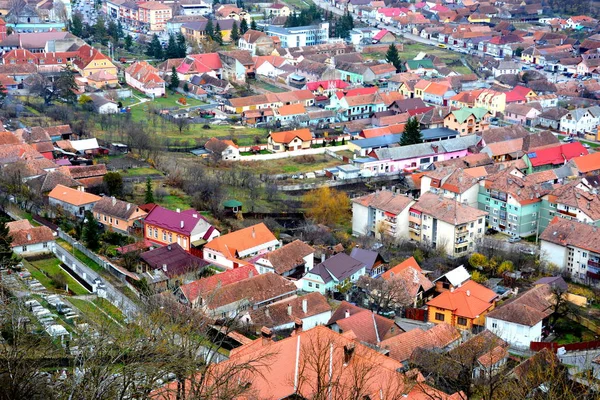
3,93
172,48
100,30
91,232
326,206
393,57
385,295
210,29
76,26
181,45
235,34
218,36
411,133
182,124
113,31
149,194
15,9
155,49
519,51
478,261
128,42
7,259
113,181
253,25
243,26
174,84
65,87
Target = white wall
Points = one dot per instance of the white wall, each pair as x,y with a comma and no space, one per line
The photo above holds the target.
553,253
360,219
515,334
45,247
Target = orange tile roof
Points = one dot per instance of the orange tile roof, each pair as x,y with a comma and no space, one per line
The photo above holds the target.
460,303
402,346
477,290
72,196
241,240
409,262
436,89
291,109
588,163
288,136
369,327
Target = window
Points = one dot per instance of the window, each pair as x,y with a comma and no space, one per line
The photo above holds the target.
24,248
170,237
105,218
494,325
462,321
149,232
309,284
164,236
317,285
439,316
155,233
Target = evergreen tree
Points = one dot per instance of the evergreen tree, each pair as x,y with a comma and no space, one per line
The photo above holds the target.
119,30
235,34
113,31
172,48
91,232
128,42
6,254
65,86
149,195
218,36
155,49
253,25
210,30
393,57
411,133
100,31
76,24
174,84
181,45
243,26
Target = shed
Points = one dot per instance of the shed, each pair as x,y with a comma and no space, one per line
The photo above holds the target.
232,206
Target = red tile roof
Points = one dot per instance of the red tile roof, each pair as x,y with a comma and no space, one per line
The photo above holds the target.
557,155
460,303
195,289
402,346
287,136
588,163
230,244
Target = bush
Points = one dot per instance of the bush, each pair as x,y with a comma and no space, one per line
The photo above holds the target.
116,239
59,279
206,126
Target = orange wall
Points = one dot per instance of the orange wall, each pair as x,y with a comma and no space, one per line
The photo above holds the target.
117,223
182,240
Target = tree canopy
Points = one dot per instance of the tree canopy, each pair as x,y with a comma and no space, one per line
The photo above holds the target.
326,206
411,133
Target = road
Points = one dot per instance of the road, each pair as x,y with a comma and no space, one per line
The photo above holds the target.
129,308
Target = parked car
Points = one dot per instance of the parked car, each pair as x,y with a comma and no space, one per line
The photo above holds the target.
587,146
514,239
568,139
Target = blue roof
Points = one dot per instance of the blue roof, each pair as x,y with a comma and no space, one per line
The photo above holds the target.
436,133
199,152
378,141
364,160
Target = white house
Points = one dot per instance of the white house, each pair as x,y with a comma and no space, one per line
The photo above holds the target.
574,247
229,150
103,105
145,78
338,269
30,240
381,212
291,260
72,201
581,120
311,310
506,67
520,321
228,250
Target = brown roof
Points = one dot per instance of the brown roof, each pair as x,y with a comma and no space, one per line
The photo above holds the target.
369,327
255,290
252,36
539,140
504,133
85,171
520,187
413,280
527,309
116,208
484,347
7,137
385,200
402,346
565,232
243,56
51,179
287,311
38,234
459,181
18,225
289,256
340,312
447,210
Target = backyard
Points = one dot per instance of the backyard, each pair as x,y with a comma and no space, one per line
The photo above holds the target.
568,331
95,314
49,273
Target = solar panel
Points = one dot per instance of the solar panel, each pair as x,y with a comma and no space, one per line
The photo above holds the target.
531,155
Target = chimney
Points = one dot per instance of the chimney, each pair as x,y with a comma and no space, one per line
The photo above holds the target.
452,289
267,312
178,210
468,292
266,334
253,233
297,326
169,247
348,352
114,201
128,206
304,306
347,314
165,267
28,236
182,223
195,215
289,309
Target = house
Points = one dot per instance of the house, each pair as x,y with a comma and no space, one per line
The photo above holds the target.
326,88
574,200
154,15
298,139
292,114
379,213
228,250
572,246
446,224
581,120
72,201
414,281
237,65
144,77
372,259
521,320
336,270
227,149
588,164
442,337
465,307
468,120
523,114
291,260
238,298
383,37
257,43
550,118
199,64
506,68
196,30
311,310
368,327
170,266
553,157
277,10
89,61
193,293
118,214
271,66
437,93
452,279
104,106
489,352
491,100
454,183
29,240
187,228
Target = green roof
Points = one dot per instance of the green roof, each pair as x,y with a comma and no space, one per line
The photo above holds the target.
416,64
464,113
232,203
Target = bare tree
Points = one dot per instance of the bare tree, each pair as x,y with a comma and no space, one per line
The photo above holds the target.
385,295
15,10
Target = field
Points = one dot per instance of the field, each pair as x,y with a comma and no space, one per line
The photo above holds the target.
43,270
292,165
82,257
140,172
268,86
298,4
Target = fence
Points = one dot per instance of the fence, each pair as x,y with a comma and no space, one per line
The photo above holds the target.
537,346
417,314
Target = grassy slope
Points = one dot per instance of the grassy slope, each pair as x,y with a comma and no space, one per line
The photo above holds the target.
52,266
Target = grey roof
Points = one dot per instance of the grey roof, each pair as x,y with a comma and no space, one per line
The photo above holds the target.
594,110
340,266
348,168
378,141
435,133
557,281
423,149
367,257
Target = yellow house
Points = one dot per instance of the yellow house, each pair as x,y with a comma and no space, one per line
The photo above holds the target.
116,214
479,19
90,61
491,100
407,89
197,30
463,307
420,88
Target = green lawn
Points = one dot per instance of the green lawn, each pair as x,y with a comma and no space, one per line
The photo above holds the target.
40,269
174,202
94,313
109,308
141,171
297,3
293,165
268,86
568,331
79,255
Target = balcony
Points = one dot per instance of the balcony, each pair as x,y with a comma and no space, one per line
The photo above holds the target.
567,213
461,243
414,228
593,264
462,234
416,220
